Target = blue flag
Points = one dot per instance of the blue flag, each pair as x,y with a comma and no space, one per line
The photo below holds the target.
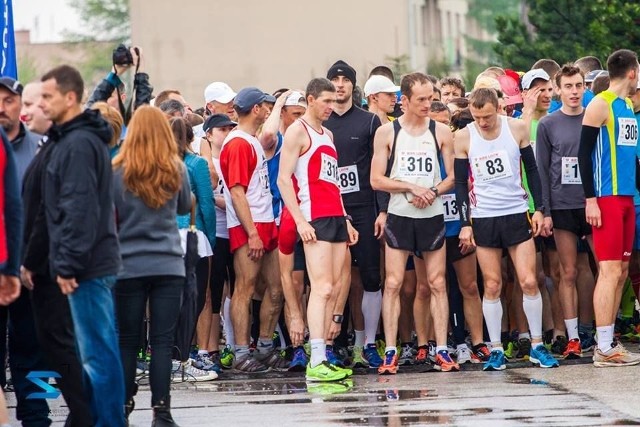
9,62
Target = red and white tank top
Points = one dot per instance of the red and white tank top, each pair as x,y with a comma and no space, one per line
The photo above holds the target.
317,176
495,174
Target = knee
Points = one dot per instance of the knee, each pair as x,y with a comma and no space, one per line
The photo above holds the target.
569,276
322,290
529,285
470,289
438,285
408,292
423,291
492,288
393,285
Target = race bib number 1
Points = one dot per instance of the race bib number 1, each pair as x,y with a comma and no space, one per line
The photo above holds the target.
349,181
329,169
492,167
450,207
570,171
627,131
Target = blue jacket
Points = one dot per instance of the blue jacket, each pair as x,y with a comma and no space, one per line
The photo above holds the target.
200,180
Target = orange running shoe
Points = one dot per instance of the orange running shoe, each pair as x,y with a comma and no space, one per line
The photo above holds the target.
573,350
389,364
422,358
444,362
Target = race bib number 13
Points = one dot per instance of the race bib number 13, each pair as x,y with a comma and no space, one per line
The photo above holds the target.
450,207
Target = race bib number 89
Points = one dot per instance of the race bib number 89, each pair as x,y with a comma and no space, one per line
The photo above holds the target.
627,131
349,181
329,169
492,167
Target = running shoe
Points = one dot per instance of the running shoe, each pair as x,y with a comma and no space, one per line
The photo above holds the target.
390,364
406,355
587,341
422,357
332,358
249,364
299,361
559,345
542,357
496,361
510,349
480,353
573,349
273,359
432,351
444,362
463,354
324,372
616,356
358,358
524,348
185,371
203,361
371,355
226,358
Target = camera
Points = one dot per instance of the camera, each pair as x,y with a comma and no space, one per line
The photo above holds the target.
122,56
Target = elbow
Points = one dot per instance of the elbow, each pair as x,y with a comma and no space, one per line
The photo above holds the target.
377,183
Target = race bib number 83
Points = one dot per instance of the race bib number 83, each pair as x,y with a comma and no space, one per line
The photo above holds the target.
492,167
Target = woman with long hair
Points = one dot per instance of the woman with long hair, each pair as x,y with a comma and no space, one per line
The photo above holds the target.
151,186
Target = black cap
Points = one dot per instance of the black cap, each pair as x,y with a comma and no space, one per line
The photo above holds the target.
12,85
341,68
217,121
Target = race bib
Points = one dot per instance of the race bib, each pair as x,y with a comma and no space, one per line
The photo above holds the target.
570,171
329,169
349,181
492,167
627,131
263,175
415,164
450,207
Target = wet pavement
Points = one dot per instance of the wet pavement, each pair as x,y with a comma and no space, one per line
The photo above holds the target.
576,394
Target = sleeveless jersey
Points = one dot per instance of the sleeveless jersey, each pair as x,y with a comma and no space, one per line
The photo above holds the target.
525,179
614,157
636,197
221,214
495,174
414,159
258,193
316,174
273,164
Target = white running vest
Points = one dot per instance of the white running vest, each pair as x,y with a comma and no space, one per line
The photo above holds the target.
221,214
258,192
415,160
495,174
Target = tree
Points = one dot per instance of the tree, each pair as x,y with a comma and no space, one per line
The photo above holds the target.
106,19
565,30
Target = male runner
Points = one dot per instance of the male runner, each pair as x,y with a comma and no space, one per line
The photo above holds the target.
381,96
450,88
497,217
415,221
607,159
309,154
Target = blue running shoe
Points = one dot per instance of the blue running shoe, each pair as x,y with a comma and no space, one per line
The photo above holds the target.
541,356
299,361
370,354
332,358
495,362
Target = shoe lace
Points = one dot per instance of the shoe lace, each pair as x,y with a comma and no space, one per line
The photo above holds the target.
388,357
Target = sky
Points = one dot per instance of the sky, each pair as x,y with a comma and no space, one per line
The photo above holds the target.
45,18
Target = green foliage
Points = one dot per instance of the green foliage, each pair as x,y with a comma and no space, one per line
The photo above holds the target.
95,62
104,19
439,68
565,30
485,12
27,70
399,65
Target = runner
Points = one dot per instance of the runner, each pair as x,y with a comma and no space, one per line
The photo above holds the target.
497,218
309,154
381,97
450,88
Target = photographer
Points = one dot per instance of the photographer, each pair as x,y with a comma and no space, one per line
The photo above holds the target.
123,59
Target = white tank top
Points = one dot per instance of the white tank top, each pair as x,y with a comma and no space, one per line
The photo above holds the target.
221,214
415,160
495,174
258,193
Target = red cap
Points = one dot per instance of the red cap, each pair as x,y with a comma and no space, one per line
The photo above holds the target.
511,90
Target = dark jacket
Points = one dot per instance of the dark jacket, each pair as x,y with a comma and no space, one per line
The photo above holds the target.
78,200
24,148
105,88
11,218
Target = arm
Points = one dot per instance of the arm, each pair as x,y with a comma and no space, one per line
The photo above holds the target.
543,158
461,174
269,135
204,196
13,216
530,100
105,88
141,80
445,136
521,132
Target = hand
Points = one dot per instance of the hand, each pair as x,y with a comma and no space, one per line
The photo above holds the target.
537,223
419,202
592,212
466,249
378,226
353,234
67,286
425,196
138,61
466,237
27,278
547,227
9,289
282,99
334,330
530,98
256,247
296,331
307,232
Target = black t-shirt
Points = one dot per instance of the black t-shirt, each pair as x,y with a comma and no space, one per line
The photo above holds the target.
353,134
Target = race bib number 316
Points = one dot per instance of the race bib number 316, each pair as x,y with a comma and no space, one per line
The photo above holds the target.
415,164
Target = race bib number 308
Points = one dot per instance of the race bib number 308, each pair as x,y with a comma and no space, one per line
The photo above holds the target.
492,167
627,131
329,169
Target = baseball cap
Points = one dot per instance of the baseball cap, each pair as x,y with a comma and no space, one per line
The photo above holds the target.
379,84
510,89
217,121
12,85
220,92
592,75
531,75
295,99
250,96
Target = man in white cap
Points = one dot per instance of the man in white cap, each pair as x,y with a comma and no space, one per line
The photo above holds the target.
218,98
380,92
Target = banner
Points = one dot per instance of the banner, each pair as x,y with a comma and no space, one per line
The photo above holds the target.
9,61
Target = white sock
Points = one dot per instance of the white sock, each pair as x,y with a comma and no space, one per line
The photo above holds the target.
371,309
605,337
524,335
318,352
228,325
390,348
532,306
440,348
572,328
360,338
201,352
492,310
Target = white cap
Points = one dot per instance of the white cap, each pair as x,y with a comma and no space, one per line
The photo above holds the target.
378,84
531,75
295,99
220,92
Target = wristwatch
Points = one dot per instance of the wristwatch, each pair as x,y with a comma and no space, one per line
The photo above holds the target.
349,218
540,209
435,190
338,318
